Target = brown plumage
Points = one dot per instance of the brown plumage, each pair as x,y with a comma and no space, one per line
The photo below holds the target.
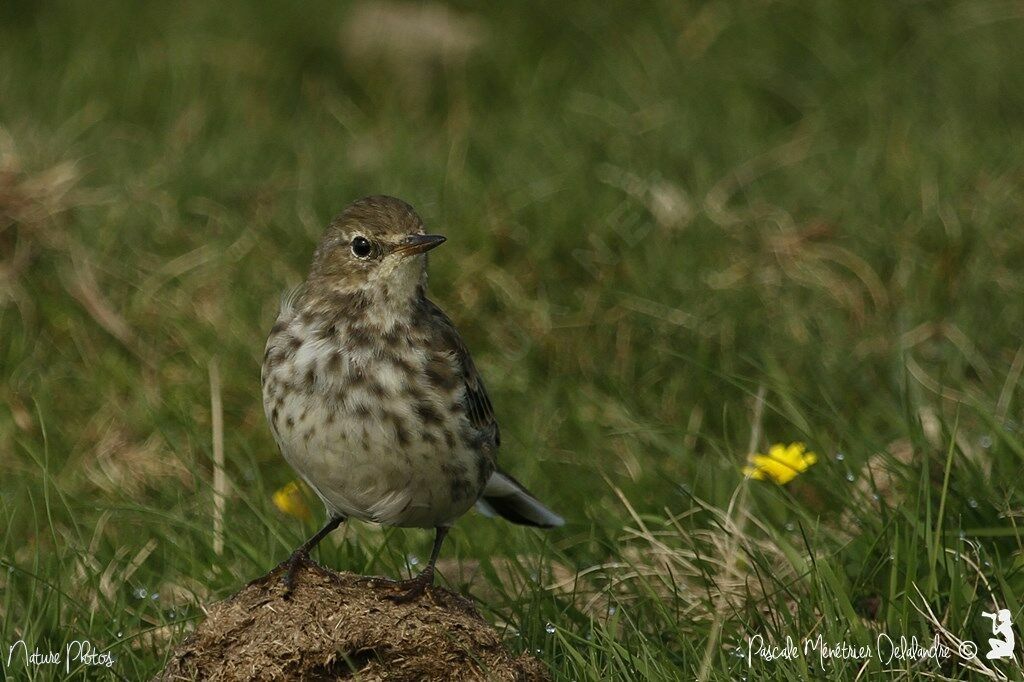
372,395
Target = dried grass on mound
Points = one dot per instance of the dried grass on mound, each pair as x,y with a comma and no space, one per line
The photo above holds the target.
334,626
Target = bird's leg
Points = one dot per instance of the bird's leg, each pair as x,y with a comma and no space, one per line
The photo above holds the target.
414,587
417,585
300,557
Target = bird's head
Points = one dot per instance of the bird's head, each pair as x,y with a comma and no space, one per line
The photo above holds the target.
375,246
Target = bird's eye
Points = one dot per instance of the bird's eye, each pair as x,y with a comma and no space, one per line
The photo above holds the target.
361,247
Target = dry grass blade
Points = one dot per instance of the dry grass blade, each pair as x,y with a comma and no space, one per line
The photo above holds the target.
974,664
219,476
737,514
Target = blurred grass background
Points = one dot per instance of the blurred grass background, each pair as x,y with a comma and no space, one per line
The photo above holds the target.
656,213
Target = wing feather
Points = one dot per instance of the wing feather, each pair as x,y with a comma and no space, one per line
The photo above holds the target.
478,403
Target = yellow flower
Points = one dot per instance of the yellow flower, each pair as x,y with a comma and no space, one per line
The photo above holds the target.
781,464
291,500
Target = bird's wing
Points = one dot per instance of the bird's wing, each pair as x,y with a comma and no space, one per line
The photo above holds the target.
478,404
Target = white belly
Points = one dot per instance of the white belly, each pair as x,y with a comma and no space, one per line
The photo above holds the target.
358,469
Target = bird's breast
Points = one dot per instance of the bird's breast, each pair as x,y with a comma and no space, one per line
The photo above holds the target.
362,419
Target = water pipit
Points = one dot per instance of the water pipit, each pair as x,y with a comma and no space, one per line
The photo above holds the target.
372,395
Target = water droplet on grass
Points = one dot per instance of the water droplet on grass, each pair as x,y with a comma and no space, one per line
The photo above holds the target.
550,628
140,593
120,634
840,456
154,596
790,527
611,610
972,503
985,442
850,477
412,559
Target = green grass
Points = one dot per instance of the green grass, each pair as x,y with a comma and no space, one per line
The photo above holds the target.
655,215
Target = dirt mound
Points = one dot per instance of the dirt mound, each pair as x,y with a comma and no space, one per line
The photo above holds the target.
337,626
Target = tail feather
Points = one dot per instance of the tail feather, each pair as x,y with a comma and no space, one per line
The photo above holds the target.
506,497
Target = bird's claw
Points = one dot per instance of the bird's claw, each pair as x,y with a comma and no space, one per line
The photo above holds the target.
406,590
291,565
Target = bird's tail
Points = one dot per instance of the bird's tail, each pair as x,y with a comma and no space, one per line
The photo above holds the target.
506,497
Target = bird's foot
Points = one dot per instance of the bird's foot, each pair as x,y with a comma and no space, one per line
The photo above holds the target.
406,590
274,572
412,589
291,566
298,559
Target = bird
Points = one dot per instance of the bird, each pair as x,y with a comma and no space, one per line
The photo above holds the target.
373,397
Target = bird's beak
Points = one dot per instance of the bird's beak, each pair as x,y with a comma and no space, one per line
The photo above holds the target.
418,243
